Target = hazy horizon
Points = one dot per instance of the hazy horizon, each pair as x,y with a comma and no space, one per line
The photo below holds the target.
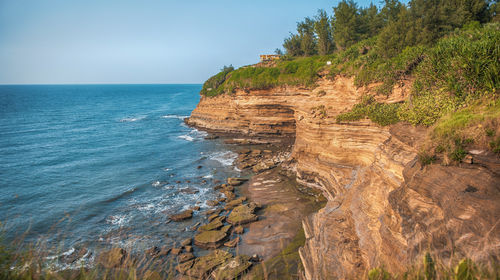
126,42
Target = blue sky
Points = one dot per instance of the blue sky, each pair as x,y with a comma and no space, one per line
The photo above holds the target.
140,41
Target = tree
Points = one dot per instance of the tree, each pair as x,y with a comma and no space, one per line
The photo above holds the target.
345,24
370,22
397,34
323,30
307,39
278,51
292,45
390,11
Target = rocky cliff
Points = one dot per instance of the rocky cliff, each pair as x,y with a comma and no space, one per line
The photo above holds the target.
384,208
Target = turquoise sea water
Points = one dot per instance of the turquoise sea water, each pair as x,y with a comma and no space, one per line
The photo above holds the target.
103,165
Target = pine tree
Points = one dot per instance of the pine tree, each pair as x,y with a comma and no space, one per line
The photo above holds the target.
370,22
292,45
346,24
307,39
322,28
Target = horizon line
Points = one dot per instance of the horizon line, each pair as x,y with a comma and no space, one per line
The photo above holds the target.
77,84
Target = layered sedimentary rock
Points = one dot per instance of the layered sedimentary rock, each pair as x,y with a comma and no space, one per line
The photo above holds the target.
383,207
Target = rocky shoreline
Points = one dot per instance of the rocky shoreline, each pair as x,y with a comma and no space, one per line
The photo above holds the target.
384,208
254,219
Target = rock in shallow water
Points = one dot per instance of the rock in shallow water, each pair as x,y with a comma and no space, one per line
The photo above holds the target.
184,215
236,181
210,239
213,225
242,214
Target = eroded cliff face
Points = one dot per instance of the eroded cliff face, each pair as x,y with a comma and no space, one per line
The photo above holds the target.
383,207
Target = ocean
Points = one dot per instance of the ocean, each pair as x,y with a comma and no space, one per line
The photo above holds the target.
99,166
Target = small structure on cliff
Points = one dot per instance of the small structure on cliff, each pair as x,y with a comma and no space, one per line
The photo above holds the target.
269,57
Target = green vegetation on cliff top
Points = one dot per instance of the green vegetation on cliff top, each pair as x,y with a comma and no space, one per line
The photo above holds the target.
448,50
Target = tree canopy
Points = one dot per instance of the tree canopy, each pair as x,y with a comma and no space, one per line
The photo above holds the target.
395,25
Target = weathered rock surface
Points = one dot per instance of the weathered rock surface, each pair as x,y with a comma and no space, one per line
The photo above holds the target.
184,215
202,266
210,239
232,268
216,223
382,206
232,243
242,214
236,181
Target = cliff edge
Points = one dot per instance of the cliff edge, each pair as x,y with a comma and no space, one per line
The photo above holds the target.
384,207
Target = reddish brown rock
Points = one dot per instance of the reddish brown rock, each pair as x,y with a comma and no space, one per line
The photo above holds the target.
381,207
184,215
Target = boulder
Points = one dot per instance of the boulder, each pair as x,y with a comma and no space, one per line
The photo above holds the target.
210,239
229,195
262,166
213,225
212,211
232,243
184,257
236,181
212,217
204,265
176,251
186,242
226,228
113,258
241,215
235,202
212,202
184,215
232,268
188,249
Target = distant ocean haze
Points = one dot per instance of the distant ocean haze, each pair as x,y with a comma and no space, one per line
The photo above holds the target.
98,165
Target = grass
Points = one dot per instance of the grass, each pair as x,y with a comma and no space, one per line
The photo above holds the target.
380,113
431,268
476,125
300,71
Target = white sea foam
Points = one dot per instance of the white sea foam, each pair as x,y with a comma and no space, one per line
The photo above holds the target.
147,207
118,220
187,138
201,133
174,117
194,134
133,119
208,176
69,252
156,184
226,157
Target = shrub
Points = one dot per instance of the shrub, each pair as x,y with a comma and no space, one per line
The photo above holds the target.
427,107
380,113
